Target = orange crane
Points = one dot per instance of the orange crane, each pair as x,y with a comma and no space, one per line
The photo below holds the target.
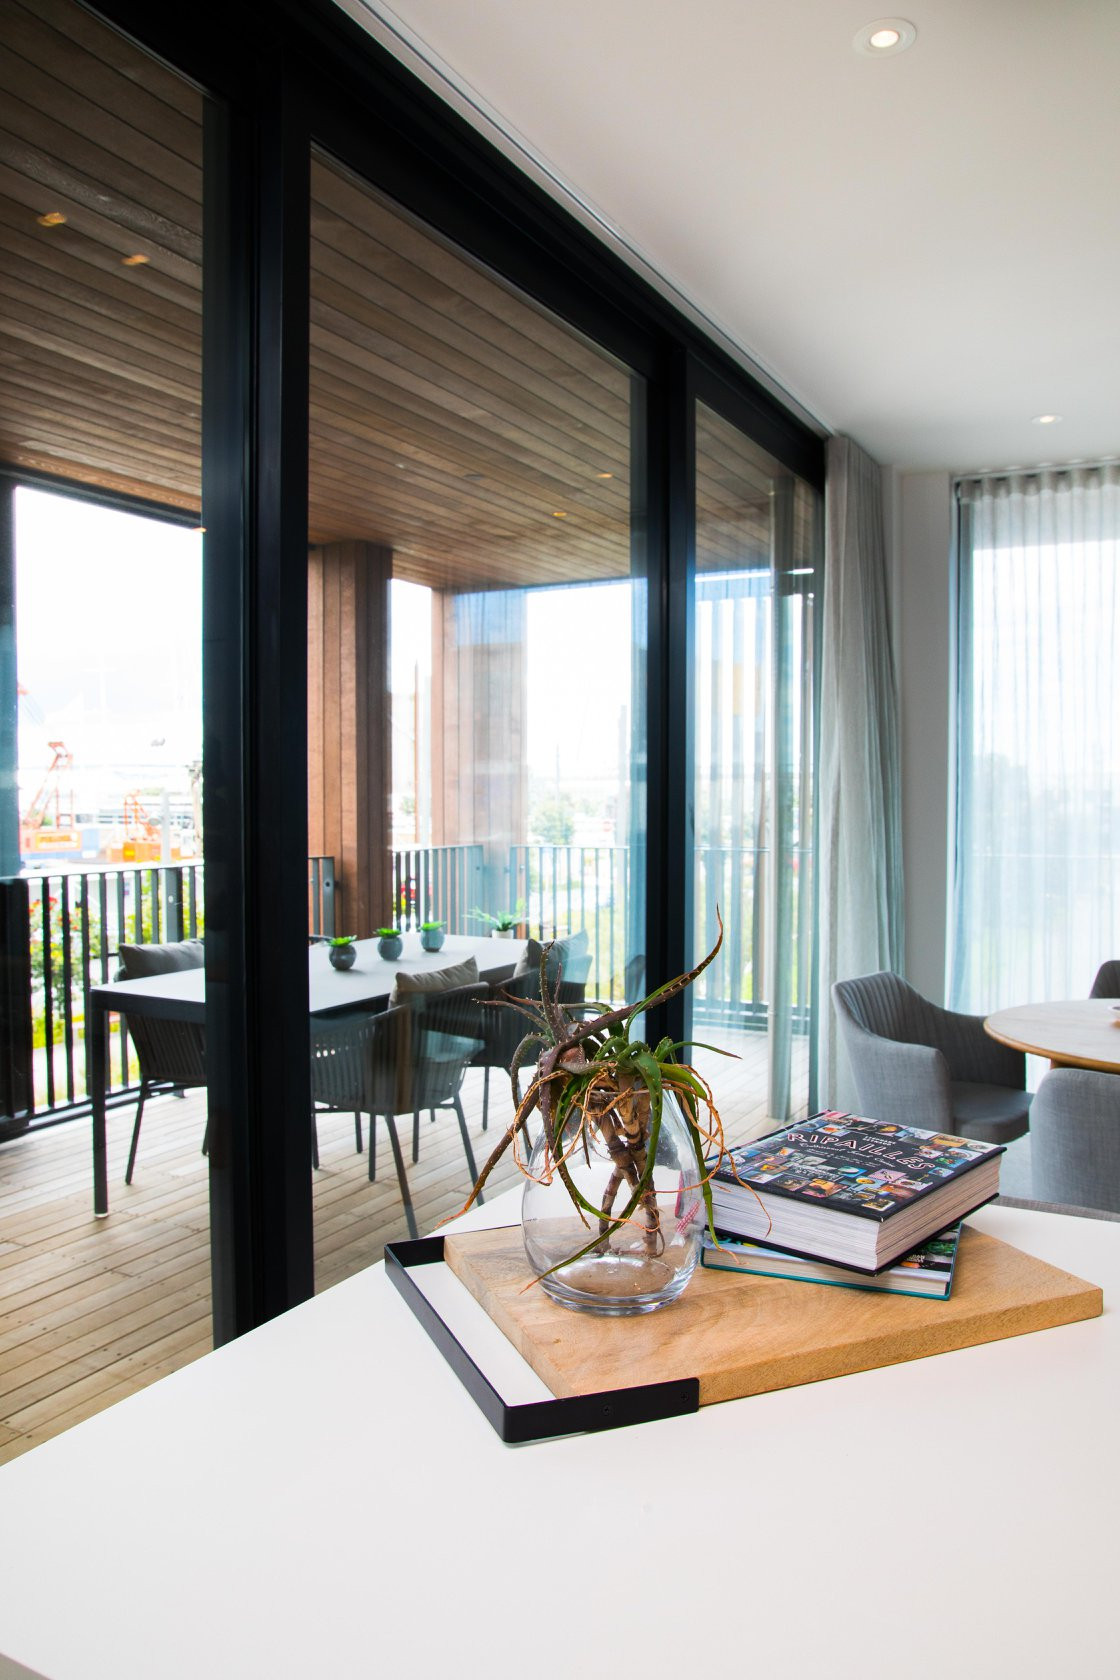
141,834
48,824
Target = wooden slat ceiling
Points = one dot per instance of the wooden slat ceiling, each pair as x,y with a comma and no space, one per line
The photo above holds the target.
100,374
450,420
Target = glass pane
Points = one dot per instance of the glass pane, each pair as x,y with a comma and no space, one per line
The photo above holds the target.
476,700
754,591
100,820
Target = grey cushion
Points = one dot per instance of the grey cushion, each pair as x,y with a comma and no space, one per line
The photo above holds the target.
992,1113
433,980
141,962
570,958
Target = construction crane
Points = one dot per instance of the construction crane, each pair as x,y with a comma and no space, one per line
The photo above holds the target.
48,824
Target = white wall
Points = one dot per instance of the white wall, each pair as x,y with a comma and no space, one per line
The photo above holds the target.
918,515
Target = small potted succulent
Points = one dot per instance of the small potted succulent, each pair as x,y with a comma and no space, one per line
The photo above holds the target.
341,952
431,935
503,924
389,943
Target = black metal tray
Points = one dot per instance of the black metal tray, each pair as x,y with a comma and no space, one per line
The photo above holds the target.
535,1420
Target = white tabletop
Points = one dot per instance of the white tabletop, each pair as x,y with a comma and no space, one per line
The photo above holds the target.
369,981
321,1498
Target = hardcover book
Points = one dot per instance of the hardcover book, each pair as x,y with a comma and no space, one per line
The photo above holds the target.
927,1271
850,1190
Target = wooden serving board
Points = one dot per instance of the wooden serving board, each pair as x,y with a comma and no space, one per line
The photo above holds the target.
742,1334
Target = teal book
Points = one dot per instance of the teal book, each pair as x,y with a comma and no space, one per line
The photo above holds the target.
926,1272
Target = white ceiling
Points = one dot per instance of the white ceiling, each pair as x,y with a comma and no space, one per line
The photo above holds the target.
922,250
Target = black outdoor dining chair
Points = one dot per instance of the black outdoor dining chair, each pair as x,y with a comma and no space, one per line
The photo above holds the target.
172,1054
338,1050
569,963
404,1060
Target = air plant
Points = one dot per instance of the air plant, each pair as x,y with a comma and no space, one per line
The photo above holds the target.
594,1083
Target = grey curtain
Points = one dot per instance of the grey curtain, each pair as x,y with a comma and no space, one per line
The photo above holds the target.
860,817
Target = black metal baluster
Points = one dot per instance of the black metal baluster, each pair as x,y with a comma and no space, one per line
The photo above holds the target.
83,908
67,985
48,984
121,928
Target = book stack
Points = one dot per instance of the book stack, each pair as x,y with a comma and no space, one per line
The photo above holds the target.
926,1271
851,1192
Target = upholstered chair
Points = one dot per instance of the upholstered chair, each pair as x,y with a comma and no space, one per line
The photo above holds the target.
1107,982
916,1064
1075,1139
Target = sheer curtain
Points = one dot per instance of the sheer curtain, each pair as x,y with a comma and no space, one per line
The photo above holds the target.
1036,900
860,844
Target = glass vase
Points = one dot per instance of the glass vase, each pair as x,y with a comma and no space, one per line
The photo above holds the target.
637,1266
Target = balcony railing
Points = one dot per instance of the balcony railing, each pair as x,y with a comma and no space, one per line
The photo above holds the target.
62,932
438,884
71,924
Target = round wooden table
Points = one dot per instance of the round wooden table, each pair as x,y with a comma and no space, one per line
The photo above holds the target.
1084,1032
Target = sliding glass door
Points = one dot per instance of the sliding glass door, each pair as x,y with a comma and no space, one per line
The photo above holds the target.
476,713
754,589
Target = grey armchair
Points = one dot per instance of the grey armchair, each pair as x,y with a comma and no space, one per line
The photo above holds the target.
1075,1139
916,1064
1107,982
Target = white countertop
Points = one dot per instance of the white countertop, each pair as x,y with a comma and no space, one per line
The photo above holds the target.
321,1499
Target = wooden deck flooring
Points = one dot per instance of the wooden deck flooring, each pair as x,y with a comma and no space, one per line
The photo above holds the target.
92,1310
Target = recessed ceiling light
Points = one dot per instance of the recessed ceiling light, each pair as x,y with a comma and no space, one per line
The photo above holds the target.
604,475
135,260
53,218
559,515
885,35
1046,419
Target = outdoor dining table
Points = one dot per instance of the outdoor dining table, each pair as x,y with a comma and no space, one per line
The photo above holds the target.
1082,1032
182,997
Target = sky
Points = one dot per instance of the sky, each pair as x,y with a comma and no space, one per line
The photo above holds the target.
109,643
109,623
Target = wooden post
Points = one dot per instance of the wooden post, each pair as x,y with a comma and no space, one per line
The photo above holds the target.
349,752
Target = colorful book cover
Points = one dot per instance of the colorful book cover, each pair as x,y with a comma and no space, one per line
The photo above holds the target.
850,1164
926,1272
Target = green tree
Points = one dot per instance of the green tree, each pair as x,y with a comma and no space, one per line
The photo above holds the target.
554,820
